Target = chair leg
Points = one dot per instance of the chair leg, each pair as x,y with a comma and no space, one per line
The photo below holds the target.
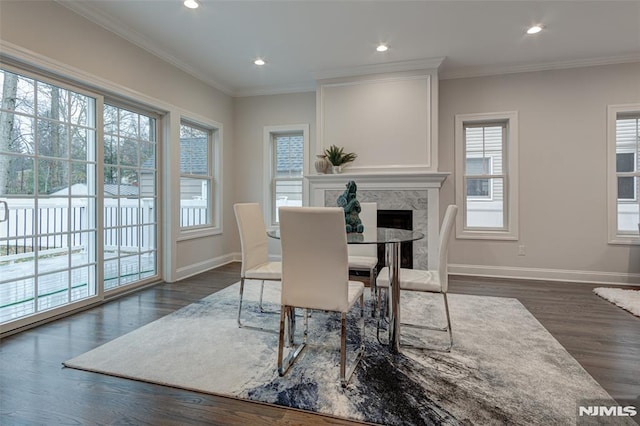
281,337
373,276
240,303
343,348
383,307
287,316
345,374
240,324
446,308
261,293
428,327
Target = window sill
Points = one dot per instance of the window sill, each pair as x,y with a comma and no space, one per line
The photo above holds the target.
487,235
625,241
191,234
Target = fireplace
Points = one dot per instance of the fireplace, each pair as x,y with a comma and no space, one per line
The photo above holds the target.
415,192
398,219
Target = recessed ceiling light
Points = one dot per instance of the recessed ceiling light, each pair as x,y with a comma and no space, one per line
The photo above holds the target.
382,48
535,29
191,4
259,62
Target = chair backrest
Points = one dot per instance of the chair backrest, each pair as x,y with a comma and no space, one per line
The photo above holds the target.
445,236
253,235
315,268
369,218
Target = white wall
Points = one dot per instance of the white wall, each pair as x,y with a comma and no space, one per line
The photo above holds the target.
562,121
563,200
252,114
53,32
385,118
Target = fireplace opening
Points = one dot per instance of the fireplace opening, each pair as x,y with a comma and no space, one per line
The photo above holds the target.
398,219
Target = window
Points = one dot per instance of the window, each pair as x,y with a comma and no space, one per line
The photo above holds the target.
286,148
196,176
486,175
623,148
478,188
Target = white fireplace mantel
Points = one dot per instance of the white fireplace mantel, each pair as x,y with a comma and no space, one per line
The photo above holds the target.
387,179
390,188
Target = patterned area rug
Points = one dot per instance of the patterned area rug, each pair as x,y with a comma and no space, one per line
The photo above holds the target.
629,300
505,368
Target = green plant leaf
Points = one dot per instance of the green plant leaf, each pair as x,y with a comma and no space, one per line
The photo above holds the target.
338,157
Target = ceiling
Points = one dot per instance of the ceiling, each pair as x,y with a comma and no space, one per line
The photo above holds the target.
302,41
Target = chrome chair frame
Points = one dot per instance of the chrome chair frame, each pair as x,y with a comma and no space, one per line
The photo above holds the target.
316,285
442,272
253,240
288,323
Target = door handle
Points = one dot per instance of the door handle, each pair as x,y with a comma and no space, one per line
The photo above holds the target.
5,217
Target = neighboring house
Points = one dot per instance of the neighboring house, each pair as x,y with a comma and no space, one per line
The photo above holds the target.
289,164
193,160
484,157
110,190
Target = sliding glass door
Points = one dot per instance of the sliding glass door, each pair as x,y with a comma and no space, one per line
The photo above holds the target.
66,240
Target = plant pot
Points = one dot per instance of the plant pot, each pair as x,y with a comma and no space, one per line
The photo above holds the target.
321,164
336,169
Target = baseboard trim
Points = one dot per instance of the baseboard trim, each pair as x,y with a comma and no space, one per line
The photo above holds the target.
591,277
200,267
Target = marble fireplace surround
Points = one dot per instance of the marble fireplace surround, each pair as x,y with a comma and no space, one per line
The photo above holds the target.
418,192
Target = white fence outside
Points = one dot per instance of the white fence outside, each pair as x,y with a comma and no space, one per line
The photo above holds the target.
56,224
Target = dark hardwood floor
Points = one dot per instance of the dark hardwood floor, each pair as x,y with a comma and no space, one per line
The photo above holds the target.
36,389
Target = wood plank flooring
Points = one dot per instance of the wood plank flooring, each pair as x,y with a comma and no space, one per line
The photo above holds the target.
35,388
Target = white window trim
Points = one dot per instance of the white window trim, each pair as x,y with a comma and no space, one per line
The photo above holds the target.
215,192
510,168
268,133
612,179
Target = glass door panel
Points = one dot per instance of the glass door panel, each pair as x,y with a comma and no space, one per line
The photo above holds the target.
48,194
130,182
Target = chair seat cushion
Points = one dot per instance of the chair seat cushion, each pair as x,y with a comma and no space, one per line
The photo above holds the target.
362,262
265,271
412,279
355,291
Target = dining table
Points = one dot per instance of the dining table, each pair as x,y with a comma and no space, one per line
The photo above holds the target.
392,238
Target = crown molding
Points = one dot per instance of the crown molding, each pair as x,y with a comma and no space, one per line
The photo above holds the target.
86,10
419,64
545,66
276,90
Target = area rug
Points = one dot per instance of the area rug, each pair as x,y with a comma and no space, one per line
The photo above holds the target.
505,368
629,300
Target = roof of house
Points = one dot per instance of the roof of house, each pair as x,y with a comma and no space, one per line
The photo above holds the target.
109,189
193,157
290,153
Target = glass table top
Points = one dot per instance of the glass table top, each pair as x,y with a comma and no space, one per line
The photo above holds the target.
371,235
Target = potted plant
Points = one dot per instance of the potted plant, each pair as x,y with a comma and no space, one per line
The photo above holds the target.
338,158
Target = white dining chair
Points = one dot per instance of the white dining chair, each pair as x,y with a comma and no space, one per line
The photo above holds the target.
315,275
364,257
426,281
255,256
